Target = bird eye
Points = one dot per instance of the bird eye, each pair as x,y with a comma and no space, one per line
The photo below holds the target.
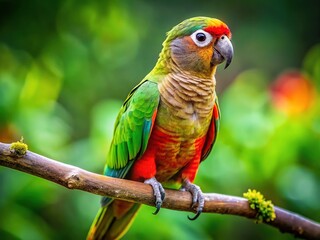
201,38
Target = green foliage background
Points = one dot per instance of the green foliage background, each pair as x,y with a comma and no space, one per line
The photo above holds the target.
66,66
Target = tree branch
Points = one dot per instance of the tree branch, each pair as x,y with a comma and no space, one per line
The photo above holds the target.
76,178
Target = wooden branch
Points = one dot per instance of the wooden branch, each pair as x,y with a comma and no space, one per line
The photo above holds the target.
76,178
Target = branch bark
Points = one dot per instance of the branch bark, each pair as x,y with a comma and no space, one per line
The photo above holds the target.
76,178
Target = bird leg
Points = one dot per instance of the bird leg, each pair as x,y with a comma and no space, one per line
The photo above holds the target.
158,192
197,197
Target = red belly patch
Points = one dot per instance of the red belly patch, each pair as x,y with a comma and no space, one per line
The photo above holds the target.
168,158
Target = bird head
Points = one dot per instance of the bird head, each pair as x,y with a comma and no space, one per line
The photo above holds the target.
198,45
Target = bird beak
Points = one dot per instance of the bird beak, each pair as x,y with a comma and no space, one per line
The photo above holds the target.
223,50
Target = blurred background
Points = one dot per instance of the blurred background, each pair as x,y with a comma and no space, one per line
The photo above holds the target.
67,66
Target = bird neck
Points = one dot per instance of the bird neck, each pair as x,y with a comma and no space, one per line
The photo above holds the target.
188,88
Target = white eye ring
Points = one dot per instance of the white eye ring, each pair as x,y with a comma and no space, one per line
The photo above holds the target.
201,38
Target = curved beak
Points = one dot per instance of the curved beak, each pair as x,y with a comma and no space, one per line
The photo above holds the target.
223,50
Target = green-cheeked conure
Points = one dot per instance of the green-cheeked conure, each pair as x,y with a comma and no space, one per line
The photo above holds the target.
169,122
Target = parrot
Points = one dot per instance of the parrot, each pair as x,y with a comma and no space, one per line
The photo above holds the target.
168,123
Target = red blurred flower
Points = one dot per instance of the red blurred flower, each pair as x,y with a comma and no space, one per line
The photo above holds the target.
293,93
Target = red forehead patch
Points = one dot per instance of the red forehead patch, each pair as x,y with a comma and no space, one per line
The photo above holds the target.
218,30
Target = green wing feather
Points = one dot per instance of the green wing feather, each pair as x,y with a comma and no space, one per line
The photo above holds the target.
212,131
132,129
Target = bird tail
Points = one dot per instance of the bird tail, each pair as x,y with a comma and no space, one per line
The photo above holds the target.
113,221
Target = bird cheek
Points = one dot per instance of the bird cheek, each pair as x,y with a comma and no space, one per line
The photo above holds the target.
190,57
183,54
206,55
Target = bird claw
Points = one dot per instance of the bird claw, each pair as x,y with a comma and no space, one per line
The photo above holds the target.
195,216
197,197
158,192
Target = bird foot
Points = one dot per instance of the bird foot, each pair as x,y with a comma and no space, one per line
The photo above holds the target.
197,197
158,192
